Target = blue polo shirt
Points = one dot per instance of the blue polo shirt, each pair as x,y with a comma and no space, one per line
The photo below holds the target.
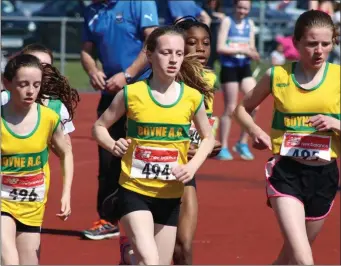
182,8
116,29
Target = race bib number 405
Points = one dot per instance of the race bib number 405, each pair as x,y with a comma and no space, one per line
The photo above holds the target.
154,163
23,188
307,147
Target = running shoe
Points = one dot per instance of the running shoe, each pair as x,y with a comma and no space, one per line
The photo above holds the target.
243,150
224,154
100,230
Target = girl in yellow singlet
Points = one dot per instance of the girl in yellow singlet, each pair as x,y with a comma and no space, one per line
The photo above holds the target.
59,96
154,164
302,178
27,128
198,43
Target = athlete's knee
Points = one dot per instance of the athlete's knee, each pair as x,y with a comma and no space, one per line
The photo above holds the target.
228,111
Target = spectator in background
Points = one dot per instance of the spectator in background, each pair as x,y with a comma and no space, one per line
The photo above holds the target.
291,7
236,46
3,62
335,54
213,9
4,92
178,9
326,6
289,50
277,56
117,30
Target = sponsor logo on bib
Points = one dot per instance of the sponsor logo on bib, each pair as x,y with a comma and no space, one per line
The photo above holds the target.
307,147
23,188
154,163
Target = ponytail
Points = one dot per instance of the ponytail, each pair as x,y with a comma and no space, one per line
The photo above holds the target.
191,73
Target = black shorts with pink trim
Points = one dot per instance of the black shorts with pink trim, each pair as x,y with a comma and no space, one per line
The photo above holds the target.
314,186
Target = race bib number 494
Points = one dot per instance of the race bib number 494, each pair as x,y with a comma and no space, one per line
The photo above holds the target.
308,147
23,188
154,163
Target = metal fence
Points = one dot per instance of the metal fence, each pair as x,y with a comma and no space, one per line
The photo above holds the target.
266,33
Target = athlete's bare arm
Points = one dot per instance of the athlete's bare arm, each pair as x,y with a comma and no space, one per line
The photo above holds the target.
243,111
254,98
100,129
66,157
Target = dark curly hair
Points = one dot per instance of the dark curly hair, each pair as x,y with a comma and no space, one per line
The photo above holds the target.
54,85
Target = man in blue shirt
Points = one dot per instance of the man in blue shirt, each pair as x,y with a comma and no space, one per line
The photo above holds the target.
178,9
117,30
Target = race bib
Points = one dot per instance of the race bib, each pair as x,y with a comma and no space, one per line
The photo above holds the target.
307,147
238,45
154,163
194,134
23,188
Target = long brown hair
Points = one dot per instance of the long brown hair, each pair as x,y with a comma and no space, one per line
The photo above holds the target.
191,71
54,85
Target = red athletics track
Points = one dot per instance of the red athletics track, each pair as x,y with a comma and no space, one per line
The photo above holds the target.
235,226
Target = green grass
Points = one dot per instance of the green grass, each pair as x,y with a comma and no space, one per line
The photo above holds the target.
76,75
80,80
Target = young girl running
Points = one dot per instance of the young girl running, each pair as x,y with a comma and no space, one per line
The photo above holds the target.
198,44
154,164
27,128
59,96
236,46
302,177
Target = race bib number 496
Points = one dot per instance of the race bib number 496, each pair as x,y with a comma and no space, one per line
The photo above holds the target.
308,147
23,188
154,163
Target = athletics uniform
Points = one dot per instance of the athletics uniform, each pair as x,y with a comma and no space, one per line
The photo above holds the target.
25,171
55,105
236,67
292,137
60,108
160,141
211,79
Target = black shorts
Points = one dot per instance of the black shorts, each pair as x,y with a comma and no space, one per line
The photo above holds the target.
314,186
234,74
164,211
23,228
192,183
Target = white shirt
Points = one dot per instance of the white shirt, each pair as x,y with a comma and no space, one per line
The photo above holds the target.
4,97
68,127
279,57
